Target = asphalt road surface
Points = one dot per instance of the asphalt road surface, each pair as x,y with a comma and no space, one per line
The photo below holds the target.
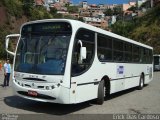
132,101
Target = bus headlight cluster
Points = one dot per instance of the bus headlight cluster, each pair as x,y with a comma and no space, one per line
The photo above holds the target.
21,84
47,87
52,87
17,82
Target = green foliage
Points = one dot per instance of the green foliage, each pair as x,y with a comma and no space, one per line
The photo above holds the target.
146,4
72,9
28,7
3,32
81,19
148,29
108,12
115,11
58,15
17,9
14,7
123,27
133,8
40,13
53,11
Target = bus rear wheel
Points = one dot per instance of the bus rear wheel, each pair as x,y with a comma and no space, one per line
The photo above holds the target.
100,97
141,83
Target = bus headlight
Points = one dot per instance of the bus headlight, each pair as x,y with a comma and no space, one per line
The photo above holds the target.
52,87
47,87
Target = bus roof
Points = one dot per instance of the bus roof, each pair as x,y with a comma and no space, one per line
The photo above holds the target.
78,24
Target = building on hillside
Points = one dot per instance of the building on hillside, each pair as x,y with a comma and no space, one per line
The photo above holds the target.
74,15
126,6
94,8
98,15
100,23
50,1
110,6
113,19
60,7
84,4
84,12
91,10
63,2
39,2
129,16
63,12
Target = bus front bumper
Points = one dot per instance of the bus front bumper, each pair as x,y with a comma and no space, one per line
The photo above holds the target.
46,94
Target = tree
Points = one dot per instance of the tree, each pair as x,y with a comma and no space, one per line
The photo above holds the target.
58,15
117,10
123,28
3,32
108,12
81,19
14,7
28,7
53,11
72,9
133,8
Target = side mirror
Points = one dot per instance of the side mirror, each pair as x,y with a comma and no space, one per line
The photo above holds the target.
7,42
83,52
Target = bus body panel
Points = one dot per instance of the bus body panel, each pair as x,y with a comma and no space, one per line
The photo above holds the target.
84,87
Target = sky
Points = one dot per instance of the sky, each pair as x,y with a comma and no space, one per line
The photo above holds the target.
102,1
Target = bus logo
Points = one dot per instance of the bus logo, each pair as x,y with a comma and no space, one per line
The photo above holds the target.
120,69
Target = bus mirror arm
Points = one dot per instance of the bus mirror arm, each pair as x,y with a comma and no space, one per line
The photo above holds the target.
7,42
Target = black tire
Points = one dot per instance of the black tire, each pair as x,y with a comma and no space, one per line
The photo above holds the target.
100,96
141,83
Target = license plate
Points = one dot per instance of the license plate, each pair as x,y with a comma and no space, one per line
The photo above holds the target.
32,93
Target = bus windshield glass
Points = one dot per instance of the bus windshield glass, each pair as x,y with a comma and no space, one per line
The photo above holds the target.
43,47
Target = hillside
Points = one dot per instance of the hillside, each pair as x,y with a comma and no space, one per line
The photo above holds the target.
13,13
147,29
144,29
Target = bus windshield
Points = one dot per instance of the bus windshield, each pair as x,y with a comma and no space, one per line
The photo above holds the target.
42,48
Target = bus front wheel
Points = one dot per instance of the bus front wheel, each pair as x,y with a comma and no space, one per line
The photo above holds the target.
100,97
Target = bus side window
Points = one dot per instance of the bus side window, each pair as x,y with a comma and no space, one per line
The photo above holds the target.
88,40
104,47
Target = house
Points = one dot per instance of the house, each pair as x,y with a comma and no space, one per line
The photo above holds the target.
39,2
126,6
97,22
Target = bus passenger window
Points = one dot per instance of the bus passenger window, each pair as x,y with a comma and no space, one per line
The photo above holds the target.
88,40
104,48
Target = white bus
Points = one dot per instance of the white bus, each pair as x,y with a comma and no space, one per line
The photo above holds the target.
156,62
68,62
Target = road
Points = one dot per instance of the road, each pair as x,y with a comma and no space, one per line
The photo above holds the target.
132,101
